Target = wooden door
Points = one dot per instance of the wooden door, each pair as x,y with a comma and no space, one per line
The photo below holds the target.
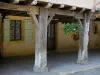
51,38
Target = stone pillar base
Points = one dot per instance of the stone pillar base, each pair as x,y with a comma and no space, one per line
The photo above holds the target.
82,61
40,69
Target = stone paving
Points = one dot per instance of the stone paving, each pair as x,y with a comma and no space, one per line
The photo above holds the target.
58,64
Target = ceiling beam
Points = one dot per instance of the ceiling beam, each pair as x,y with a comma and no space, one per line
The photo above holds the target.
62,6
50,18
49,5
73,8
66,13
14,1
36,9
82,10
34,2
31,2
7,6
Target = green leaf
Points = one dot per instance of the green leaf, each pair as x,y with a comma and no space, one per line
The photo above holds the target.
71,28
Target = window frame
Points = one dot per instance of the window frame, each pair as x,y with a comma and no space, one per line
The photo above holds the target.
14,27
22,28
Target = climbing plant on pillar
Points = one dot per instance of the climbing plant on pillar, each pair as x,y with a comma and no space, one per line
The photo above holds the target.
72,28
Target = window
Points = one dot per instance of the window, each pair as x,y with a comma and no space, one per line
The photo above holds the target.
15,30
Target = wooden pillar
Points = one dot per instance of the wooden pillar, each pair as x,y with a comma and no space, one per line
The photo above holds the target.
1,35
41,43
41,38
84,38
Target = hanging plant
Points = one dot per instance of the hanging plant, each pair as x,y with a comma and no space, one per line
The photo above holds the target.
76,36
72,28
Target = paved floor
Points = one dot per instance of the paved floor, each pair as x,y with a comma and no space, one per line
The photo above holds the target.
57,63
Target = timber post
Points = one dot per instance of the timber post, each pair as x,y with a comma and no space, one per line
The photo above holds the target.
84,38
80,41
1,35
41,38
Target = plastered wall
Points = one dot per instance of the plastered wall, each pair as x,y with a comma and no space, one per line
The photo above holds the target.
24,46
66,43
94,39
27,45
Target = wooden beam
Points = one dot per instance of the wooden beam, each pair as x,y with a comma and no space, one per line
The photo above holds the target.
73,8
62,6
15,1
66,13
36,8
34,2
50,18
82,10
81,24
7,6
31,2
34,18
49,5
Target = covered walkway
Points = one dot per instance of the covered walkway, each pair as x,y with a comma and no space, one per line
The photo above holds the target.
57,62
41,17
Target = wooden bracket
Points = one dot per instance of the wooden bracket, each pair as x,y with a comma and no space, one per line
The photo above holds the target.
49,5
34,18
15,1
34,2
62,6
80,21
73,8
81,24
82,10
50,18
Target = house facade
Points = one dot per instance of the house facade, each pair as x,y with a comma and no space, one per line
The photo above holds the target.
45,21
26,45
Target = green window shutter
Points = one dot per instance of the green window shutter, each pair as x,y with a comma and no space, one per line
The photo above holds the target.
27,24
6,30
28,31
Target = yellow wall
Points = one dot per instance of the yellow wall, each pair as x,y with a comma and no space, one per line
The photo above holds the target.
63,43
19,48
66,43
94,39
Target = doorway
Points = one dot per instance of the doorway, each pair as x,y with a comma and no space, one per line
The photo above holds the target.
51,31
